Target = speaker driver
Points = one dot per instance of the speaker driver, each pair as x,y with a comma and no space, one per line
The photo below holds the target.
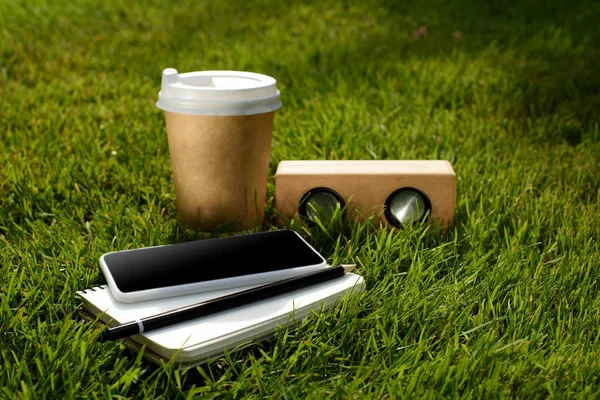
320,203
406,206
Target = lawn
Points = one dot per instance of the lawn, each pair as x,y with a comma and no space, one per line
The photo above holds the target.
506,304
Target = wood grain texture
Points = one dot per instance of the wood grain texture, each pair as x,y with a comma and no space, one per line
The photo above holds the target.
365,185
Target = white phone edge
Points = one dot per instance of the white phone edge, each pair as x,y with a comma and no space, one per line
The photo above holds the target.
206,286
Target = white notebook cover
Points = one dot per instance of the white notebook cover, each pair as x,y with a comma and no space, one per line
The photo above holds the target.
208,337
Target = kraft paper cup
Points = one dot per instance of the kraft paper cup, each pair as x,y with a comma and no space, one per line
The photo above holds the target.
219,127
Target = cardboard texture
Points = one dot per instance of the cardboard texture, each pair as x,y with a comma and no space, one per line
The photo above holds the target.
365,185
220,168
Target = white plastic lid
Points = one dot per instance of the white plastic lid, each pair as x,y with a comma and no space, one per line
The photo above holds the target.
217,93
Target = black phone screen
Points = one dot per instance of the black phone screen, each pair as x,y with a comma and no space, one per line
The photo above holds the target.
210,259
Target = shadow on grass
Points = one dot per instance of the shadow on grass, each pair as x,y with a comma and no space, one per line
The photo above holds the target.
547,51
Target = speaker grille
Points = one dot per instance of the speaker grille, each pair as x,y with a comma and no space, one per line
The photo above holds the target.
407,206
319,203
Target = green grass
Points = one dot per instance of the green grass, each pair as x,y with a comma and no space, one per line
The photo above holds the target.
506,305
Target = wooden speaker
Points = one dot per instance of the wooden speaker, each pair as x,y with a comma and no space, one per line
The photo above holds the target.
395,192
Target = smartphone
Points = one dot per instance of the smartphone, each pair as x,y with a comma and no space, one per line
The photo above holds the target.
204,265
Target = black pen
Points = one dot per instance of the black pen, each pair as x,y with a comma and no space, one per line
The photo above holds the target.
224,303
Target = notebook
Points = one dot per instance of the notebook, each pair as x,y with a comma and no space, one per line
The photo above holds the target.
194,342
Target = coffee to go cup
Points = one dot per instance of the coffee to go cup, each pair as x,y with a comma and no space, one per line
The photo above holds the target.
219,126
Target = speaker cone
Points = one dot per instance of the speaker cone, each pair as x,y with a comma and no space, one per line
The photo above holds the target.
320,203
406,206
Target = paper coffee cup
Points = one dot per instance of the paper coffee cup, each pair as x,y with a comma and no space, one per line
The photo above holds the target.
219,127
